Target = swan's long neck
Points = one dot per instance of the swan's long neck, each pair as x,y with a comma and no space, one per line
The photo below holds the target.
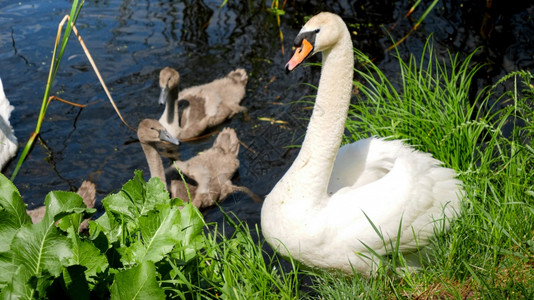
155,165
171,114
171,110
323,137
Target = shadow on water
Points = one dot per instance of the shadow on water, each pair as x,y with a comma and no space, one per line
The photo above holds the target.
132,40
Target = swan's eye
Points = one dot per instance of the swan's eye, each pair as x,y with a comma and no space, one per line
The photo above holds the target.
317,30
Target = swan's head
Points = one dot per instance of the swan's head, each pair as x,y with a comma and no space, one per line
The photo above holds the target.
151,131
169,79
319,34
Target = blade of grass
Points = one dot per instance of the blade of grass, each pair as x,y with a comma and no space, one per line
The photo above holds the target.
277,13
90,58
414,28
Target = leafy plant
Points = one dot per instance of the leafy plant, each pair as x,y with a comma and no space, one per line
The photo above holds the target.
144,246
129,248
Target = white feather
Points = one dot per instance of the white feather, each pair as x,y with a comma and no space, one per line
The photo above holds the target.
8,140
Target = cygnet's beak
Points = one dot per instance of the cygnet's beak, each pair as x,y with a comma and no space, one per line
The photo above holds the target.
164,135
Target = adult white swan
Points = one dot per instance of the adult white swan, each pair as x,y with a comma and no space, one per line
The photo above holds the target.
320,212
8,140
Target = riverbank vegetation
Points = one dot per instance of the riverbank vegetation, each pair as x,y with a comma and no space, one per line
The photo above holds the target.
144,244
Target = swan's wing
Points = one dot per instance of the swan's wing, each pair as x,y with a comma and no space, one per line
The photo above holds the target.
227,91
193,118
362,162
348,165
411,198
211,98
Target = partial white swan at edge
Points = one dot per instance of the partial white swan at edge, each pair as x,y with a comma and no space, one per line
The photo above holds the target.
8,140
319,211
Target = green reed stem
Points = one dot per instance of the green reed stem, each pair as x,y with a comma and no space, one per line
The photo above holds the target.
54,66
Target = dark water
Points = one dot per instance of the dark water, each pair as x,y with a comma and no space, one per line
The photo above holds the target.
132,40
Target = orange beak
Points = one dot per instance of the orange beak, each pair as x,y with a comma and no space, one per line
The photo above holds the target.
300,54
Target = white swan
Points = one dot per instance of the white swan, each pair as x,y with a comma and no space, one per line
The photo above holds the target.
319,211
200,107
8,140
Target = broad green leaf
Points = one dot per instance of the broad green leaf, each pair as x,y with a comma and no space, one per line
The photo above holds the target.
7,267
191,224
84,253
106,225
158,235
158,232
75,282
145,195
42,284
189,233
76,218
133,253
41,248
12,212
137,283
17,287
121,205
60,204
156,193
121,209
134,190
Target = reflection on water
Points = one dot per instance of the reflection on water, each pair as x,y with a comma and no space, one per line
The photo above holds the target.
132,40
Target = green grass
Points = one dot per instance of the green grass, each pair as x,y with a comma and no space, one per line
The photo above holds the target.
243,270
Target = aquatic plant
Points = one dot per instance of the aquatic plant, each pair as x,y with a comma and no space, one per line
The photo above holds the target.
56,59
140,229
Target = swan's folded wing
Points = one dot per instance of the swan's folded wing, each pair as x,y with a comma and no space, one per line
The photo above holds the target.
348,165
404,200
